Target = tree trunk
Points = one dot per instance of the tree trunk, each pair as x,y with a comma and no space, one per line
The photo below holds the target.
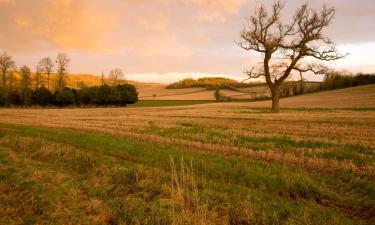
4,79
275,99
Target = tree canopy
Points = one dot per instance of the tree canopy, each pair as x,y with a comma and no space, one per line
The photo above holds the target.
298,46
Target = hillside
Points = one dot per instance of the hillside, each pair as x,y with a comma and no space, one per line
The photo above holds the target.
157,91
356,97
93,80
75,80
161,92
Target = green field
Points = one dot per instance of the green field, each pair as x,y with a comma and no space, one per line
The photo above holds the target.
107,179
224,163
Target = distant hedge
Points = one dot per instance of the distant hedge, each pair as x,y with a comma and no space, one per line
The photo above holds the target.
105,95
336,81
210,83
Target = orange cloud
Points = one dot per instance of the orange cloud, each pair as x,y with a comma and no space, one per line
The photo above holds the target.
66,24
142,26
216,10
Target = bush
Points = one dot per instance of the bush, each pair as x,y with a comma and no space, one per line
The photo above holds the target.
25,96
337,80
14,98
127,94
211,83
105,95
363,79
65,97
43,97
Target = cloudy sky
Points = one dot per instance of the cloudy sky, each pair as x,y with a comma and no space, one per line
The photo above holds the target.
164,40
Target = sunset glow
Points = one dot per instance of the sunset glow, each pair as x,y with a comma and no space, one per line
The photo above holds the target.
163,40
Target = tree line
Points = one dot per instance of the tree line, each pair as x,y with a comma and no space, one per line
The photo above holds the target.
338,80
35,89
210,83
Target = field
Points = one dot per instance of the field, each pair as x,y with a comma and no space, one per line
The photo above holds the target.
217,163
160,92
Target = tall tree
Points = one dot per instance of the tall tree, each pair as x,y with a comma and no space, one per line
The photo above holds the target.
6,64
115,75
102,79
11,78
25,82
25,85
62,62
288,48
38,76
46,65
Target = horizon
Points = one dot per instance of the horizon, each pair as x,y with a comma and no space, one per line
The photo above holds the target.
164,41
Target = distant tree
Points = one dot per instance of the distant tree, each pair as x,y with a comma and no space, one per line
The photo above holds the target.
106,95
11,78
217,94
285,46
38,77
25,82
363,79
337,79
62,62
14,98
81,84
115,75
6,64
3,98
46,65
127,94
43,97
103,79
25,85
64,97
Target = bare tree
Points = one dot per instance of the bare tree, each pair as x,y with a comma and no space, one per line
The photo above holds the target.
38,77
6,64
25,85
11,78
25,82
46,65
287,48
62,62
103,79
115,75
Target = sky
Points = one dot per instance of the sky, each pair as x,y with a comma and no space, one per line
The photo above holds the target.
165,40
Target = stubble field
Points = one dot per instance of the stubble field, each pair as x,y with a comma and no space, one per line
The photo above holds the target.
218,163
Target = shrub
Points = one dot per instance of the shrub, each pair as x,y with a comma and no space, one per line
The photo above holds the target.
211,83
25,96
43,97
65,97
363,79
337,80
127,94
121,94
13,98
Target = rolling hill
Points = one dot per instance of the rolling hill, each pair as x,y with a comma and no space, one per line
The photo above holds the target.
76,80
355,97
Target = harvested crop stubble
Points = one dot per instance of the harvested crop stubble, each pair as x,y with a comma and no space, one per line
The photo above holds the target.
322,159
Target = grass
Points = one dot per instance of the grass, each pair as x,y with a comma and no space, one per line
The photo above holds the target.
229,163
195,188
